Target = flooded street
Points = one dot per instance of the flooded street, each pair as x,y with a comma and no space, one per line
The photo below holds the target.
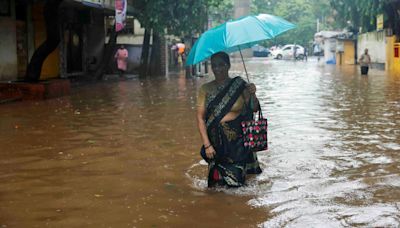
126,154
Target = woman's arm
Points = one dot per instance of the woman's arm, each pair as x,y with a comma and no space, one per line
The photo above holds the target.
250,93
256,103
210,152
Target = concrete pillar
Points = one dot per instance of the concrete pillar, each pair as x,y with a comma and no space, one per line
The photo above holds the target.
166,58
163,56
242,8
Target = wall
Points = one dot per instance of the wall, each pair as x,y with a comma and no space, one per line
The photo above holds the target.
349,52
345,53
130,39
329,49
95,37
50,68
138,28
135,52
8,49
375,42
135,39
389,53
392,64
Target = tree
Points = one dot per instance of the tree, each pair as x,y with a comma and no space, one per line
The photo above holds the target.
181,18
362,14
221,13
303,13
392,11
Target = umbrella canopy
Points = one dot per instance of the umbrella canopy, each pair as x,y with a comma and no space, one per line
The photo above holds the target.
237,35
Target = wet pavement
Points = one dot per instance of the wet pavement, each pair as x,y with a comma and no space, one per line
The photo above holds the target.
125,154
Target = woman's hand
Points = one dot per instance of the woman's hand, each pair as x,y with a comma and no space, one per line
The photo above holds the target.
210,152
251,88
251,97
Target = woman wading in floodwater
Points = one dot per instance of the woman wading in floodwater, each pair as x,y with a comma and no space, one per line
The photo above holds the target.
222,105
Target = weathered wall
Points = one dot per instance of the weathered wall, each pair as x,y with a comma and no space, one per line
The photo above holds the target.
8,49
347,57
50,68
375,42
349,52
95,35
130,39
329,49
392,63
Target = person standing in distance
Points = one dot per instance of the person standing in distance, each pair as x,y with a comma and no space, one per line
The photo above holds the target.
121,56
365,62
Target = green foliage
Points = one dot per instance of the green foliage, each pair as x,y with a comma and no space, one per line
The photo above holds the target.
183,17
362,14
222,12
303,13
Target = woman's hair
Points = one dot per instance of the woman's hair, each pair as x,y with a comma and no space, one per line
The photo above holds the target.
223,56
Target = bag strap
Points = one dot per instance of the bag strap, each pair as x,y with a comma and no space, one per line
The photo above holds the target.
250,106
260,115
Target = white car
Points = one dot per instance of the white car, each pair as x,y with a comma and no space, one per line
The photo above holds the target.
287,52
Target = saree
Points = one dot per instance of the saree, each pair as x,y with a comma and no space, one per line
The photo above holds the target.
232,160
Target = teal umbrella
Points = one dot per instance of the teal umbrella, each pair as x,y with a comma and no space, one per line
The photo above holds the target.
236,35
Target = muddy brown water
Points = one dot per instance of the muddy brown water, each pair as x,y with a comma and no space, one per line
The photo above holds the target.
125,154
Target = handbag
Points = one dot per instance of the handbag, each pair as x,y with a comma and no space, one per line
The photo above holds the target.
255,133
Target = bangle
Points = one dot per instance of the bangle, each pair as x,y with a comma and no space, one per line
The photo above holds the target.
206,147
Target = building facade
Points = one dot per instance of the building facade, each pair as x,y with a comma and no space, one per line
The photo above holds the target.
83,37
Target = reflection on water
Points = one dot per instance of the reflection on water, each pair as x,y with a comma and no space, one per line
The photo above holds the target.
126,154
111,155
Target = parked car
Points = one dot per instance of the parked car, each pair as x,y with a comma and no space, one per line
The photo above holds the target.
287,52
260,51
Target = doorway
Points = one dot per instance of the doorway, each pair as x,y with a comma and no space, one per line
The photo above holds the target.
73,35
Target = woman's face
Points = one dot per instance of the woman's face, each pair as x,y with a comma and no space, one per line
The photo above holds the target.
219,67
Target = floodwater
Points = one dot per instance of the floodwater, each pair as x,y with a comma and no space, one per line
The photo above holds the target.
125,154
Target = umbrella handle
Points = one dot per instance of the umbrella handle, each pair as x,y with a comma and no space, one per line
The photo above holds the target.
244,65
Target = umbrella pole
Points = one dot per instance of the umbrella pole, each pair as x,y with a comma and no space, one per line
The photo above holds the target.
244,65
